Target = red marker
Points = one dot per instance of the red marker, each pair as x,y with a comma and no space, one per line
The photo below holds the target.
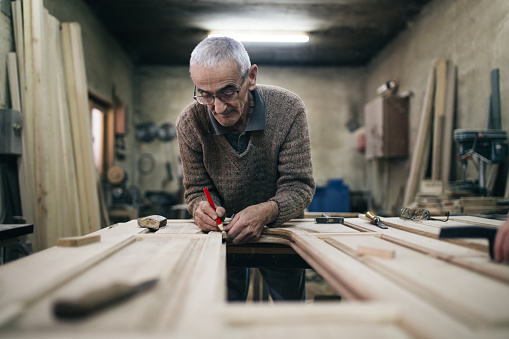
211,202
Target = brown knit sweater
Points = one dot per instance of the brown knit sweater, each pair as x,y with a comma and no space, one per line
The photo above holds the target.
275,166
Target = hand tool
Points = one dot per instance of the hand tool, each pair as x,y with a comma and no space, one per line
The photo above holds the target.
326,219
211,202
98,299
471,232
152,222
376,220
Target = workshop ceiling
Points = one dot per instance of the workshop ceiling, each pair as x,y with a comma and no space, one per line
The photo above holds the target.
342,32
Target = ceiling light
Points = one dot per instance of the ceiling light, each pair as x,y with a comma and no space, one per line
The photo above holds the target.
264,36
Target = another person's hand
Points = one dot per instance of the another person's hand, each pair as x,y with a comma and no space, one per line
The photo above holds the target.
205,216
247,225
502,242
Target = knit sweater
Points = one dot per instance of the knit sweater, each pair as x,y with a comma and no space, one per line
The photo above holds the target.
276,166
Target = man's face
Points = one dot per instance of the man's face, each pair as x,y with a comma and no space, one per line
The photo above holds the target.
224,79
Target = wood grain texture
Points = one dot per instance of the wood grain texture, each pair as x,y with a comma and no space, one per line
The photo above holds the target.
78,241
383,298
419,154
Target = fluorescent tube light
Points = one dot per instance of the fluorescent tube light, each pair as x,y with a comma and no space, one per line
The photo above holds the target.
264,37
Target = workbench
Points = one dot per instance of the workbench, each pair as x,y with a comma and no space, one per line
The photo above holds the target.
425,288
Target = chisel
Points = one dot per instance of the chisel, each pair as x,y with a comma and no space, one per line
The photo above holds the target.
98,299
326,219
376,220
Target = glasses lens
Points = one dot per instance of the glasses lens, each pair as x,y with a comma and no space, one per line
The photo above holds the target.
204,100
228,96
421,214
405,213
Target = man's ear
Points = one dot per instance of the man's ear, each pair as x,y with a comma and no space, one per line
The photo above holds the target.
251,77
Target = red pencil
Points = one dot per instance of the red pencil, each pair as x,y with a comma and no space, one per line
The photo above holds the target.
211,202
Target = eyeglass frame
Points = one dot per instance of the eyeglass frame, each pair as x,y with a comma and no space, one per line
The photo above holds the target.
420,214
195,97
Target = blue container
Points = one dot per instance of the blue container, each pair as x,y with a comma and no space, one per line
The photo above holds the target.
335,197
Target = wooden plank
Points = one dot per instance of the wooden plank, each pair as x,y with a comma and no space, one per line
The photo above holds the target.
21,15
165,259
483,308
450,112
12,70
421,142
80,122
78,241
42,145
68,189
352,278
208,285
431,229
23,284
17,24
477,220
439,117
375,251
191,273
465,257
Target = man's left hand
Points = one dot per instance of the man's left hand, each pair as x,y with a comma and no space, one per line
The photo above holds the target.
247,225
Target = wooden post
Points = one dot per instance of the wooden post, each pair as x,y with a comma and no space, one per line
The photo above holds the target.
421,142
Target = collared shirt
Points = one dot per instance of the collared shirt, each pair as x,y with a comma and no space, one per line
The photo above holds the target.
256,122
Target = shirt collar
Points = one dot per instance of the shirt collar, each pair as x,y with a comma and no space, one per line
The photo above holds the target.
256,121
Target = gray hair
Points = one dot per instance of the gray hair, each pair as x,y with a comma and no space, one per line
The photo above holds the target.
215,51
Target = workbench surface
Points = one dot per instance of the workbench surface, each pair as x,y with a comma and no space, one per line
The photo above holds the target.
401,282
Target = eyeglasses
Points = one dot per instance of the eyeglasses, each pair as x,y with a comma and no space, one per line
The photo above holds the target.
420,214
228,95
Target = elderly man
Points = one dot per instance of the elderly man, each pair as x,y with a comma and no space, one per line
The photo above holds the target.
249,145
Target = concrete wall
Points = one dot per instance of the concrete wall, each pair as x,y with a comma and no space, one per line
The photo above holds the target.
162,93
332,97
474,35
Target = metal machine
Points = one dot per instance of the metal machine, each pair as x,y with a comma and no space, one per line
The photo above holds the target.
488,146
121,196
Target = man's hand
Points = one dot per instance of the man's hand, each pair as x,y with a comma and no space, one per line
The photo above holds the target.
502,242
205,216
247,225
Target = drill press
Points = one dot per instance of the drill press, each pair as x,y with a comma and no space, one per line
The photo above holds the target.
488,146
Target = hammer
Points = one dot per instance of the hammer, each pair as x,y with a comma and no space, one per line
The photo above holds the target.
152,222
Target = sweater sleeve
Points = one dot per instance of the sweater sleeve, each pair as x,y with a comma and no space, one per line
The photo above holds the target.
191,153
295,185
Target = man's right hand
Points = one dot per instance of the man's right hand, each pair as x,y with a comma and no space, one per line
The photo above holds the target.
205,216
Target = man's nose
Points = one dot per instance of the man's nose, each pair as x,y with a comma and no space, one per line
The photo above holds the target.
219,105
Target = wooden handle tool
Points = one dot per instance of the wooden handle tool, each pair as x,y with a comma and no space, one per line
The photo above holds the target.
376,220
326,219
98,299
152,222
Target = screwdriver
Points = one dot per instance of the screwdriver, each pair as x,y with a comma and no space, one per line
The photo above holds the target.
376,220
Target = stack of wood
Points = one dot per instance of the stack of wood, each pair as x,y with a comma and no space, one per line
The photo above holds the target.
58,180
434,133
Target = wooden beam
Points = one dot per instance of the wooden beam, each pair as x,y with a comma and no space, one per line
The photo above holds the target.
439,117
12,70
80,123
450,112
78,241
421,142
